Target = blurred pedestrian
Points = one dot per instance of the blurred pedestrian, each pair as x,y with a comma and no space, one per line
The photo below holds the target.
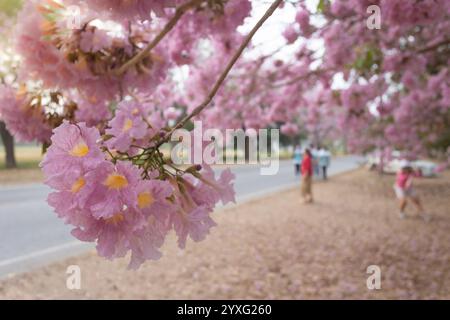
324,161
315,159
404,190
307,176
297,159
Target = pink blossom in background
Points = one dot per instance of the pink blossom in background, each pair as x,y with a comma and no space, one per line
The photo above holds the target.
92,114
24,122
289,129
126,9
95,40
302,18
290,34
44,61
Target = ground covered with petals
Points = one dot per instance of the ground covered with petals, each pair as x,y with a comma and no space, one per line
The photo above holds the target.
277,248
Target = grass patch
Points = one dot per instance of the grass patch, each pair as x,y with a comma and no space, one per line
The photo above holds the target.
27,156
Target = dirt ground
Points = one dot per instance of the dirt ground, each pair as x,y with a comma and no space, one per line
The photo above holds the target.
278,248
20,176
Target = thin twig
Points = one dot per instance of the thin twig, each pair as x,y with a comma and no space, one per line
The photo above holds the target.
179,12
298,78
435,46
224,74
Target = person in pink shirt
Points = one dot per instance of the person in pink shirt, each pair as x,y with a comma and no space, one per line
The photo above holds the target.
404,190
307,176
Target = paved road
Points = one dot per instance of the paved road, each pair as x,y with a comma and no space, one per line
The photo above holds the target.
31,235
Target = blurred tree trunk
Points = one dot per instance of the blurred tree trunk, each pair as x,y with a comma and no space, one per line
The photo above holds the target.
8,142
247,149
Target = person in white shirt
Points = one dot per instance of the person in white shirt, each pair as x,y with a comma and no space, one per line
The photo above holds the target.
324,159
297,160
315,156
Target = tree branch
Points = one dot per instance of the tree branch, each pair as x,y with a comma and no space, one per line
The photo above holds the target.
225,72
179,12
298,78
435,46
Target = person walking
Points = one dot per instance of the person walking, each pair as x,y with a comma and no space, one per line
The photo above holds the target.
404,190
307,176
297,159
324,162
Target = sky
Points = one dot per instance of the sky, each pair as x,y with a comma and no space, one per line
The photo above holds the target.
269,36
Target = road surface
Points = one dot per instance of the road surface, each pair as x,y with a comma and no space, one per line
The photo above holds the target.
31,235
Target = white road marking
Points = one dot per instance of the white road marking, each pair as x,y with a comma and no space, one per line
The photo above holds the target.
40,253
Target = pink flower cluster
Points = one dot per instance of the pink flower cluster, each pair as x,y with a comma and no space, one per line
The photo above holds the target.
112,201
216,23
92,113
25,122
129,9
379,88
84,59
129,126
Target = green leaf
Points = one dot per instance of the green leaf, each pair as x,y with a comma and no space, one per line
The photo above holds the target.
106,137
368,60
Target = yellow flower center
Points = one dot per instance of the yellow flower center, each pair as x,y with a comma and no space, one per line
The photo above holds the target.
79,150
127,125
115,219
116,181
78,185
145,200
